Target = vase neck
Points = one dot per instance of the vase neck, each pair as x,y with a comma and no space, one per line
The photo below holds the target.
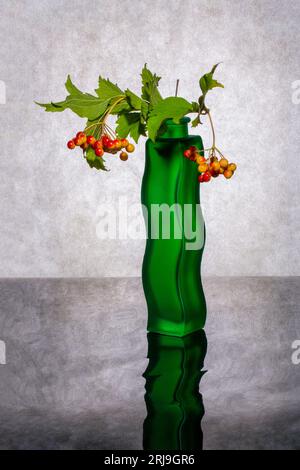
175,130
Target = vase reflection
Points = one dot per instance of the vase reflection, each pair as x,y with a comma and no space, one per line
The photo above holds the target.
174,403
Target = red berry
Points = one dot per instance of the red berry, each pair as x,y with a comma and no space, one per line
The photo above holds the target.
105,140
200,178
206,177
99,152
98,144
91,140
187,153
118,144
193,149
80,135
110,145
71,144
77,141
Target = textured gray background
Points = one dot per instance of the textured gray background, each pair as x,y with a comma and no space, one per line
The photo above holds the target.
76,350
49,199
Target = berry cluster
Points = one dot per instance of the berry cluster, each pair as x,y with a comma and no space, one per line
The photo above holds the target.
102,145
211,166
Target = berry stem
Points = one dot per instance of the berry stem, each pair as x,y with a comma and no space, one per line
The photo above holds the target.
213,131
102,120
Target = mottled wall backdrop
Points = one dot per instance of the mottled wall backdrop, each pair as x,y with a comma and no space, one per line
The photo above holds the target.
50,199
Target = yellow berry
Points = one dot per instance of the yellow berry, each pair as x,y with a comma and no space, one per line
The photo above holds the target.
202,167
200,159
215,166
224,163
232,167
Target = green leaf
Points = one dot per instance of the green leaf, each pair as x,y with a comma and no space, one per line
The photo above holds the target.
144,111
150,91
93,128
129,124
122,107
207,82
71,88
82,104
134,101
169,108
195,107
93,160
107,90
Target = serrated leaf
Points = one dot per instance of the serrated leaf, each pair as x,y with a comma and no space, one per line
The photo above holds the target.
107,90
50,107
134,101
129,124
150,91
144,110
169,108
207,82
71,88
83,104
137,130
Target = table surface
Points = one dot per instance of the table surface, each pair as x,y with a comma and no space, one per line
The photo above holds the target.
76,350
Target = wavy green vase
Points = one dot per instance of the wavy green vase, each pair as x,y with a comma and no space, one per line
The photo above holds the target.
171,266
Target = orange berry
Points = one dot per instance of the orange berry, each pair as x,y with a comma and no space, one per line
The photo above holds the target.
232,167
124,142
84,146
228,174
130,148
124,156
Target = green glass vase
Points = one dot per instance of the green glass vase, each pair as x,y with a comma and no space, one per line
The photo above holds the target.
171,266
